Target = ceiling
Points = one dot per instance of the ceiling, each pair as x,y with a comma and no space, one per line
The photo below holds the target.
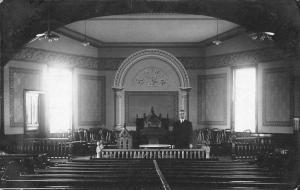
20,21
150,28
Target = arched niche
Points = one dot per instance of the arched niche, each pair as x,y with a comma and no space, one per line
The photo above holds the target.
150,72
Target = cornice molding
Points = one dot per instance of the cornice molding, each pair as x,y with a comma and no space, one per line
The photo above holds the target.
252,57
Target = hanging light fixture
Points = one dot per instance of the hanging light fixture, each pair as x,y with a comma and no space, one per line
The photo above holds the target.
85,42
217,41
48,35
262,36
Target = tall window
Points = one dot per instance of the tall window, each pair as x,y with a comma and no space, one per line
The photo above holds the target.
60,100
32,110
244,99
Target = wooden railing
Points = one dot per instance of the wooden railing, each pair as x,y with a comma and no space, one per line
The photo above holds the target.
53,147
250,150
155,153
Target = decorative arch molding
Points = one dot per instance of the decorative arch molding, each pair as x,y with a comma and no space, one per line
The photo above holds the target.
151,53
121,79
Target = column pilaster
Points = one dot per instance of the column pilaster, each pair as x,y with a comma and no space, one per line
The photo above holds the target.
119,107
184,100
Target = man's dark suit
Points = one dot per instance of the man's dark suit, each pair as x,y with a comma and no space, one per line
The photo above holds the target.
182,134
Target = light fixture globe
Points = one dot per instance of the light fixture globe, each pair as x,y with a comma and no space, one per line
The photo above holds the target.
85,43
50,36
217,42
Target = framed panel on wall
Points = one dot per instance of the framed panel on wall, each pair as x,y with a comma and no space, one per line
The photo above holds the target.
91,100
140,102
212,99
20,79
277,97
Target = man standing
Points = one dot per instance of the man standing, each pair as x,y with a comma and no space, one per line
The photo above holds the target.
182,131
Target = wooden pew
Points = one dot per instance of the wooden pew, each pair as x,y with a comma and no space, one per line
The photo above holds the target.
15,164
141,173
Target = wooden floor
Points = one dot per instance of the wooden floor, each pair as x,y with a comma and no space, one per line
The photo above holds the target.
141,174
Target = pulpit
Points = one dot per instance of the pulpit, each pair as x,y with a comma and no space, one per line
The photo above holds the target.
152,129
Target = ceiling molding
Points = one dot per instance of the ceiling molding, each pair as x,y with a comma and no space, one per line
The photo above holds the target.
151,44
100,44
155,16
78,36
224,36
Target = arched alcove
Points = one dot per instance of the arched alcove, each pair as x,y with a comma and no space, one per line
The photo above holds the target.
151,77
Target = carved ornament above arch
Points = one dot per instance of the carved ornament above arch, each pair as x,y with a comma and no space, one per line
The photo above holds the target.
148,54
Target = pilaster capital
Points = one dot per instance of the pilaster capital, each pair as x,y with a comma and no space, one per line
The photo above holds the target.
117,88
185,89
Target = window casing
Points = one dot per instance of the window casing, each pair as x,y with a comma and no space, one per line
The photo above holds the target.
244,99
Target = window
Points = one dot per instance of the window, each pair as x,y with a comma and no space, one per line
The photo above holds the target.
32,110
60,100
244,99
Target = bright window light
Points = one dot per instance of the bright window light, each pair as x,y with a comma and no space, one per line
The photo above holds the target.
244,99
60,100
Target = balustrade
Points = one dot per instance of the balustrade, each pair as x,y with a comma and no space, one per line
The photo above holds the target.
252,149
155,153
54,148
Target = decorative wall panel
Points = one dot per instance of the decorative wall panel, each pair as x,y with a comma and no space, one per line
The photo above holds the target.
151,77
276,97
212,99
20,79
137,102
91,100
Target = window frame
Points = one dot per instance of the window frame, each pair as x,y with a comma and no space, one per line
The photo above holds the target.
233,71
32,127
71,70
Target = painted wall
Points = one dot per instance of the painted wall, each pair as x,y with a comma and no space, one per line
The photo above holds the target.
92,86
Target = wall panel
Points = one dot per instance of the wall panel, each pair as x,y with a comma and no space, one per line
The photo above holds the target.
277,97
212,99
139,102
20,79
91,100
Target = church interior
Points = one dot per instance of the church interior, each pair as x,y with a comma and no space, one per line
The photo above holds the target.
150,94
